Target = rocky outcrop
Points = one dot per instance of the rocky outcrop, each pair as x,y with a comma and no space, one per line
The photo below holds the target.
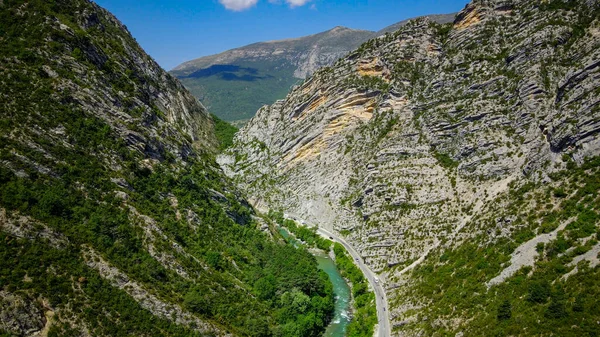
126,87
400,144
20,316
27,228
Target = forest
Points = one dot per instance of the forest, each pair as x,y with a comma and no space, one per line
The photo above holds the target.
157,209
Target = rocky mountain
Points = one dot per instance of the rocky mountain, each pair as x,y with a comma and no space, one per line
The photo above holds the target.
237,82
460,160
115,219
260,73
438,18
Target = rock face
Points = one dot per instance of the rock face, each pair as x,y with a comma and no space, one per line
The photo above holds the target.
409,144
18,314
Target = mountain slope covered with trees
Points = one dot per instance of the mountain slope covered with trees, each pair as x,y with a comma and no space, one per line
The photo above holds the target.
115,219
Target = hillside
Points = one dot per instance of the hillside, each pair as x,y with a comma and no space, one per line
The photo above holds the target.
459,160
437,18
236,83
115,219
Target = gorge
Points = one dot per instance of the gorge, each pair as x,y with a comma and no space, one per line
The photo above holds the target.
451,169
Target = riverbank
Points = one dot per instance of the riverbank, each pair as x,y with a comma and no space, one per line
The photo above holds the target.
342,316
365,316
363,300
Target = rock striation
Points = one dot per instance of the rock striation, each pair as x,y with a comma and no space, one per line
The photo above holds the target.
409,145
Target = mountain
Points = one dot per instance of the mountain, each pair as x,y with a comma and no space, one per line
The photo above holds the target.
437,18
261,73
237,82
460,161
115,219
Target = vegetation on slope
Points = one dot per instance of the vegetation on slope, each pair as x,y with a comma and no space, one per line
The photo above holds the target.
237,255
237,92
75,180
224,132
544,299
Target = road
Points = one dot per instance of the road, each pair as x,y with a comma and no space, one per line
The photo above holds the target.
381,299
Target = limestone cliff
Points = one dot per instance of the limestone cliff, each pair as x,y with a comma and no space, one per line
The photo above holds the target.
422,144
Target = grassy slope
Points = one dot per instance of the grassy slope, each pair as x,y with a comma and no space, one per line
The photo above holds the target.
224,132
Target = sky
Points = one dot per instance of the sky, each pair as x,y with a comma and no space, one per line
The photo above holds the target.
175,31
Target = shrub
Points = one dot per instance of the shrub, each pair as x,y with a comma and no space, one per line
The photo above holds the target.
504,311
539,292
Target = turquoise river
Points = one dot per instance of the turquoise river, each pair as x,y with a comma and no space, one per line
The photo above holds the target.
341,318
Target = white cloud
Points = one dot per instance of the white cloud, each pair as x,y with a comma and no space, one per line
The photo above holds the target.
297,3
238,5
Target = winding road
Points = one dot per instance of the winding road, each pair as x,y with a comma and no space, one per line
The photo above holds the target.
380,297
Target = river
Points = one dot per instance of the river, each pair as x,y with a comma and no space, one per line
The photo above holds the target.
341,318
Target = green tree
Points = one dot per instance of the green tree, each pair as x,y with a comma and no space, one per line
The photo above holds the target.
296,301
265,287
539,292
196,302
504,311
214,260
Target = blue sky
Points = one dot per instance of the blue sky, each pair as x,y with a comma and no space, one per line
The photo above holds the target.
174,31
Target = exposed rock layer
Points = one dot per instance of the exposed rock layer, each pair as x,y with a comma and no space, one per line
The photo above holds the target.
403,142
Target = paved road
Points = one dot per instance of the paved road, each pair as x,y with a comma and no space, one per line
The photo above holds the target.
381,299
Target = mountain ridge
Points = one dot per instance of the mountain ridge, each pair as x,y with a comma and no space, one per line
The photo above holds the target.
225,57
268,69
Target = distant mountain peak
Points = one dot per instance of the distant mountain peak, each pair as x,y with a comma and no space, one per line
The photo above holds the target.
336,28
